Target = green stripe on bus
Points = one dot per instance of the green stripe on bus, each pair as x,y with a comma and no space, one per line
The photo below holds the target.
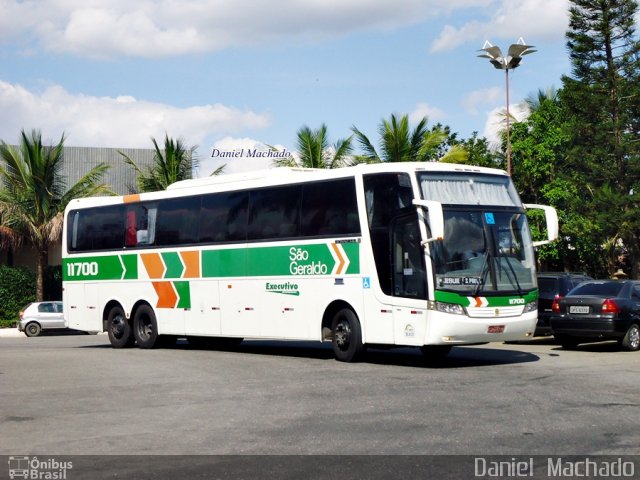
184,294
315,259
175,267
109,267
492,301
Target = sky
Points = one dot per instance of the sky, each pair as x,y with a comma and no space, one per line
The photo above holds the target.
227,75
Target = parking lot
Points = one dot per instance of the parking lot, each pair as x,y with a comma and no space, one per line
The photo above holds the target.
74,394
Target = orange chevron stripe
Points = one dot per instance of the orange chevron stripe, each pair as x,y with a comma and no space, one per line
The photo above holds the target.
154,264
167,297
131,198
340,257
191,262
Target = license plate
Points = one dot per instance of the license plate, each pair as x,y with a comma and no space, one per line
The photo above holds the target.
578,309
495,329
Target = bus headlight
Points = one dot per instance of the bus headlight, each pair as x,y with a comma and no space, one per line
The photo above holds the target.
450,308
530,307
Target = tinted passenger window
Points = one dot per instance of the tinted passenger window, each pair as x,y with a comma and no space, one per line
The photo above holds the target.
223,217
141,224
275,213
329,208
177,221
96,229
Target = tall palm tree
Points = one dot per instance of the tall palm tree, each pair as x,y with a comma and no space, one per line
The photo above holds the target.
398,143
34,194
314,150
176,162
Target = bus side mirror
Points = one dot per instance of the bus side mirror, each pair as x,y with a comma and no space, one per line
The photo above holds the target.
435,218
551,217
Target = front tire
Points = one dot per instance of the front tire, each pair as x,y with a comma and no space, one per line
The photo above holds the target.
119,329
631,340
347,336
145,327
32,329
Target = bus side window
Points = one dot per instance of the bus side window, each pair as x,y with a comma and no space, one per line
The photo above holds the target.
140,224
223,217
275,213
329,208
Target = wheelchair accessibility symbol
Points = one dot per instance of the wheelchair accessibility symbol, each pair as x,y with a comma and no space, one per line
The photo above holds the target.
366,282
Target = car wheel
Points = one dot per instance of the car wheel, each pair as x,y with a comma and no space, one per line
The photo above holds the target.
631,340
145,327
119,328
32,329
347,336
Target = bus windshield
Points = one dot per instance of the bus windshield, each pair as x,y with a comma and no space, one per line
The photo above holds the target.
487,245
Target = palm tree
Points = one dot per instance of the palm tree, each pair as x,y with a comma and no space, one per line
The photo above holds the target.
314,150
176,162
398,143
34,195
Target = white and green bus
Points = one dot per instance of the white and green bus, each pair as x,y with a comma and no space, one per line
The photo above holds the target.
413,254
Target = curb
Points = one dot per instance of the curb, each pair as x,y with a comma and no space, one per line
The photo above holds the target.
11,333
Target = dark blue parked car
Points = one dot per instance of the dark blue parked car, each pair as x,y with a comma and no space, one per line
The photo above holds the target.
599,310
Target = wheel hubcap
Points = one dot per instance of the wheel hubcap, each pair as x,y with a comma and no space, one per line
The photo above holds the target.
634,337
117,326
146,328
343,335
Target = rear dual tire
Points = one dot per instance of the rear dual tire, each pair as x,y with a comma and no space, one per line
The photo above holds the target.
119,329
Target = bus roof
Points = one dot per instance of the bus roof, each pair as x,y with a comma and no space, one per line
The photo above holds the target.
276,176
293,174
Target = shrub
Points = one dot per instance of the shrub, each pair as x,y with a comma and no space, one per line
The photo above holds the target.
17,289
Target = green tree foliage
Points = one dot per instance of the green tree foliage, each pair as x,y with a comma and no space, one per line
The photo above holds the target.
399,143
314,151
17,290
602,98
34,194
176,162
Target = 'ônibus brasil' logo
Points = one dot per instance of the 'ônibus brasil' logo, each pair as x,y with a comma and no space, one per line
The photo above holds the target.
283,288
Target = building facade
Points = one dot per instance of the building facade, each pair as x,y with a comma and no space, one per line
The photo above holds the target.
77,161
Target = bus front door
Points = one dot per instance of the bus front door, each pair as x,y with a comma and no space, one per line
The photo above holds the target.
409,282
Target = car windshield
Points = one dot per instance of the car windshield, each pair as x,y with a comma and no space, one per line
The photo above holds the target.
548,287
605,289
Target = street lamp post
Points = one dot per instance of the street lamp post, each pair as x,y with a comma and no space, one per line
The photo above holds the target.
511,61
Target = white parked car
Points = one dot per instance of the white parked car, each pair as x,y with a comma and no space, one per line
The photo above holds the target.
38,316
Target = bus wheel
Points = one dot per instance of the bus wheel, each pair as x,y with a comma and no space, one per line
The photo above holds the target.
119,329
347,336
435,352
145,327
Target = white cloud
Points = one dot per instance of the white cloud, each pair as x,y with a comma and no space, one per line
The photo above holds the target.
423,110
496,121
487,96
123,122
215,156
158,28
539,19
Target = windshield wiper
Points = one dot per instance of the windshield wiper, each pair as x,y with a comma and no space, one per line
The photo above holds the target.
515,277
483,274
